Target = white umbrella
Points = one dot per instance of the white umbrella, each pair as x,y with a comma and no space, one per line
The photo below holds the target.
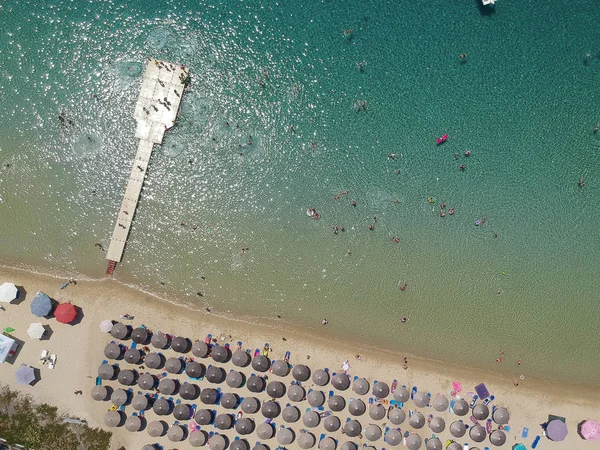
36,330
8,292
106,326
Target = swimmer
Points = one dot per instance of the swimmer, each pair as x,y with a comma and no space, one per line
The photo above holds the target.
348,32
403,319
597,127
392,156
353,203
430,200
371,227
442,213
403,287
500,360
335,229
477,223
443,205
456,156
581,182
324,321
462,167
451,211
468,153
395,239
463,55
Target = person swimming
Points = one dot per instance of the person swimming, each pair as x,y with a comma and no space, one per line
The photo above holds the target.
468,153
451,211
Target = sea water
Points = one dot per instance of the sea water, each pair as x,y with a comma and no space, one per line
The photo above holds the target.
293,104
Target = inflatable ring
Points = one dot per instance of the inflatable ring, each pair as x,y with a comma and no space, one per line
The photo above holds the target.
522,377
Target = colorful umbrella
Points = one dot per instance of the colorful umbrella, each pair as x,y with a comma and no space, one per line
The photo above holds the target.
556,430
589,430
41,305
65,313
519,447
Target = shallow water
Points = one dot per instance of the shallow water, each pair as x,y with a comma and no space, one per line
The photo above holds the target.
524,101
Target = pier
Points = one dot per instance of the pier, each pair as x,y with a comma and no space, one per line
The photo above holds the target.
155,112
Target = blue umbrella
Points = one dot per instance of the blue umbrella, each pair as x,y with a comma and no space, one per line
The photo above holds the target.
25,374
41,305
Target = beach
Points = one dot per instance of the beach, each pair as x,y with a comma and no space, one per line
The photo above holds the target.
79,349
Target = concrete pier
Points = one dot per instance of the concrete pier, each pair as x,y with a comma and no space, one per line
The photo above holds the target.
155,112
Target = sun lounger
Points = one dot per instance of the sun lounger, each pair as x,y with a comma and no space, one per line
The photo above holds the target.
525,432
98,381
535,442
413,392
52,361
103,362
331,394
488,400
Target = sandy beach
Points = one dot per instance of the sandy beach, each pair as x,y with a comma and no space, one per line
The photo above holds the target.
80,347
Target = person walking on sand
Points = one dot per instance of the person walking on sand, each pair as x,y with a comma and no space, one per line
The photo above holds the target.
346,366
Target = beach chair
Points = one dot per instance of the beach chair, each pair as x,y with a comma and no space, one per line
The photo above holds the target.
98,381
122,408
134,345
321,437
178,401
331,394
141,413
326,369
413,392
371,400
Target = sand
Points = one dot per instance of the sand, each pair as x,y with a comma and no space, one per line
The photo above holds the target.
80,347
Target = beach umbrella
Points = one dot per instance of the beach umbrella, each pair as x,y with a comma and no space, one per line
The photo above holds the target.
437,424
259,446
36,330
106,326
182,412
149,447
336,403
203,416
357,407
229,400
296,393
180,344
200,349
153,361
244,426
239,444
139,402
381,389
500,415
133,423
413,441
331,423
498,437
156,428
372,433
306,440
311,419
223,421
458,429
173,365
454,446
300,372
99,393
275,389
209,396
65,313
194,369
290,414
397,416
112,418
461,407
217,442
401,394
556,430
139,335
270,410
41,305
280,368
8,292
377,411
106,371
315,398
352,428
119,331
234,379
119,397
250,405
159,340
589,430
360,386
162,407
197,438
327,443
481,412
340,381
146,381
188,391
261,363
215,374
285,436
320,377
477,433
220,354
393,437
417,420
132,355
175,433
167,386
440,403
434,444
349,445
265,431
240,358
255,384
126,377
421,399
519,447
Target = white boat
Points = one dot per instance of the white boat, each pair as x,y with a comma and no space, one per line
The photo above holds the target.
488,2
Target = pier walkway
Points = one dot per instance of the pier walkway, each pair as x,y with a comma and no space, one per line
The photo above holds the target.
155,112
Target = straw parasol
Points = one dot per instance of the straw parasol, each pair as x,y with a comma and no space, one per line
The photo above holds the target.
146,381
348,445
139,402
270,410
331,423
119,397
261,363
173,365
182,412
306,440
397,416
501,416
229,400
119,330
99,393
220,354
255,384
215,374
437,424
458,429
167,386
275,389
209,396
393,437
153,361
477,433
106,371
194,369
481,412
357,407
413,441
327,443
112,418
159,340
401,394
589,430
290,414
239,444
244,426
280,368
132,355
300,372
106,325
285,436
234,379
296,393
498,437
240,358
139,335
162,407
175,433
340,381
112,351
311,419
421,399
265,431
41,305
217,442
440,403
434,444
352,428
250,405
381,389
180,344
200,349
372,433
133,423
417,420
320,377
8,292
461,407
360,386
36,330
315,398
203,416
197,438
336,403
189,391
224,421
377,411
156,428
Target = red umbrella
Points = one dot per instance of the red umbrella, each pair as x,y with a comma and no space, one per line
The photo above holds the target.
65,313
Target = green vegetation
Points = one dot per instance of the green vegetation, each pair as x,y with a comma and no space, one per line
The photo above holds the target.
41,427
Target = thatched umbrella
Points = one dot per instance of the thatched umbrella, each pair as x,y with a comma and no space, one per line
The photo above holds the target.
434,444
458,429
224,421
285,436
215,374
270,410
133,423
261,363
440,403
112,418
200,349
197,438
167,386
477,433
296,393
498,438
203,416
306,440
209,396
315,398
194,369
112,351
320,377
331,423
119,397
280,368
327,443
146,381
372,433
139,402
229,400
139,335
348,445
437,424
393,437
126,377
357,407
220,354
265,431
417,420
255,384
397,416
377,411
352,428
381,389
290,414
501,416
340,381
159,340
99,393
240,358
300,372
106,371
250,405
182,411
162,407
275,389
401,394
180,344
360,386
336,403
234,379
156,428
217,442
244,426
481,412
311,419
173,365
461,407
119,330
239,444
413,441
153,360
421,399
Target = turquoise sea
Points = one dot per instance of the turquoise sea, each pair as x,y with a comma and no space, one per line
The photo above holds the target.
289,77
